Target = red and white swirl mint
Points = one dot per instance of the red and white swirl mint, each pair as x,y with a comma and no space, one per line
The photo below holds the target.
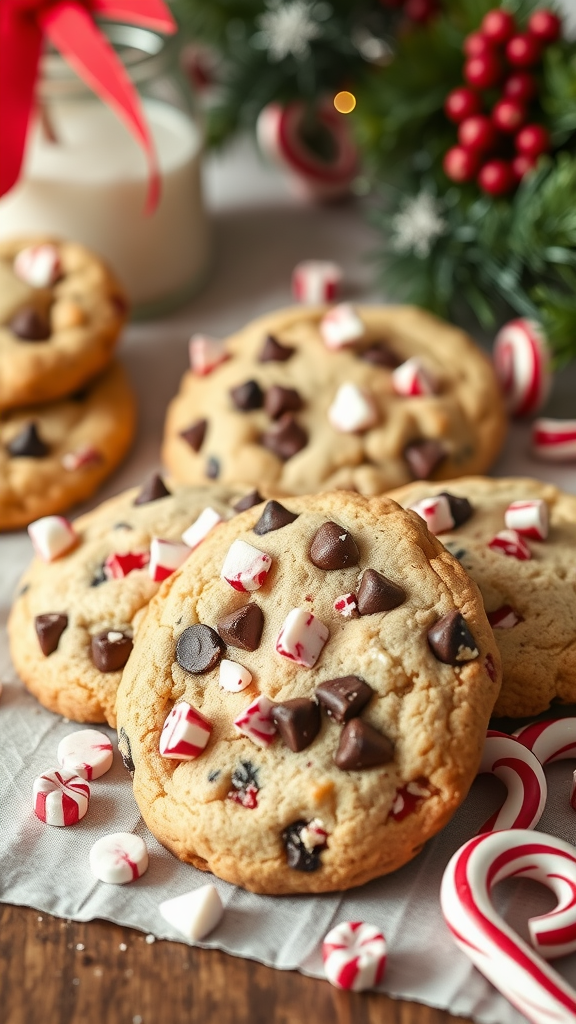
522,364
201,527
38,265
205,354
185,733
354,955
347,606
245,567
529,518
256,723
504,618
436,513
522,774
511,543
554,440
413,378
341,326
88,753
165,557
316,281
52,536
519,972
550,741
61,797
117,566
302,637
353,410
282,133
119,858
234,677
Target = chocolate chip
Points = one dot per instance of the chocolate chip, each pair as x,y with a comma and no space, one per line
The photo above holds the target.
49,629
212,468
423,457
79,396
451,640
274,517
333,547
362,746
99,577
297,856
248,501
125,751
245,775
194,435
29,325
280,400
274,352
345,697
247,396
28,444
285,438
379,354
297,721
110,650
460,508
199,649
213,775
153,489
243,628
377,593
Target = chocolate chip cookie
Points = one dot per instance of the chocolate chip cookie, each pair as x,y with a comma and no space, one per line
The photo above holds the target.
72,623
310,399
517,540
307,699
61,311
55,455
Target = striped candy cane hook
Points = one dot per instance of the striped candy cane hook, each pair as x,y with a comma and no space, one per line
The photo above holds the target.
554,740
520,770
520,973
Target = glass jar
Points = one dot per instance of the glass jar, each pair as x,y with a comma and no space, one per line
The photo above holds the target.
85,178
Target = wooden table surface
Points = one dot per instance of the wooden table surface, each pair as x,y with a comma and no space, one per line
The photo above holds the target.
62,972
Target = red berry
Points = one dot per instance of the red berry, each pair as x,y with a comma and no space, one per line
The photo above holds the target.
521,165
508,115
545,25
477,45
532,140
523,50
496,177
498,26
477,133
462,103
483,72
520,86
420,10
460,164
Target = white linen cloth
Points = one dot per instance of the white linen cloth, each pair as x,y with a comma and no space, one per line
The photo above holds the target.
47,868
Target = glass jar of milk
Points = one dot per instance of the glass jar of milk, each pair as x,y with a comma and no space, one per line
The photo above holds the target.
85,178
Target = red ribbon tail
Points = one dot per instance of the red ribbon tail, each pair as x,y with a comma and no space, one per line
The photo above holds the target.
71,29
20,43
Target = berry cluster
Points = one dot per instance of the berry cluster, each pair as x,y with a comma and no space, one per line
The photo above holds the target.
499,57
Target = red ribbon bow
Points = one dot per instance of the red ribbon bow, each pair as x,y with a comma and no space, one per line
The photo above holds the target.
70,27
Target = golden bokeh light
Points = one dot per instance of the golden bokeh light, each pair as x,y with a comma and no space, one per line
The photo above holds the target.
344,102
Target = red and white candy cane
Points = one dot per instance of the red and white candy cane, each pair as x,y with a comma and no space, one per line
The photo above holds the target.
521,974
521,772
550,741
522,365
354,955
60,797
554,440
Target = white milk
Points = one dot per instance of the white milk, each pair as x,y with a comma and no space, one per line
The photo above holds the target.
91,187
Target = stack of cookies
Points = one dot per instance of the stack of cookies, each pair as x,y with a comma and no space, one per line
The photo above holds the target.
302,681
67,412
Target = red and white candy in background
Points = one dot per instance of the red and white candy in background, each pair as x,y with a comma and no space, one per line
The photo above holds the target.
521,360
354,955
554,440
316,281
499,142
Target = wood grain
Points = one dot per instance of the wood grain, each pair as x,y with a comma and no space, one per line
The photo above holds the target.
45,977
